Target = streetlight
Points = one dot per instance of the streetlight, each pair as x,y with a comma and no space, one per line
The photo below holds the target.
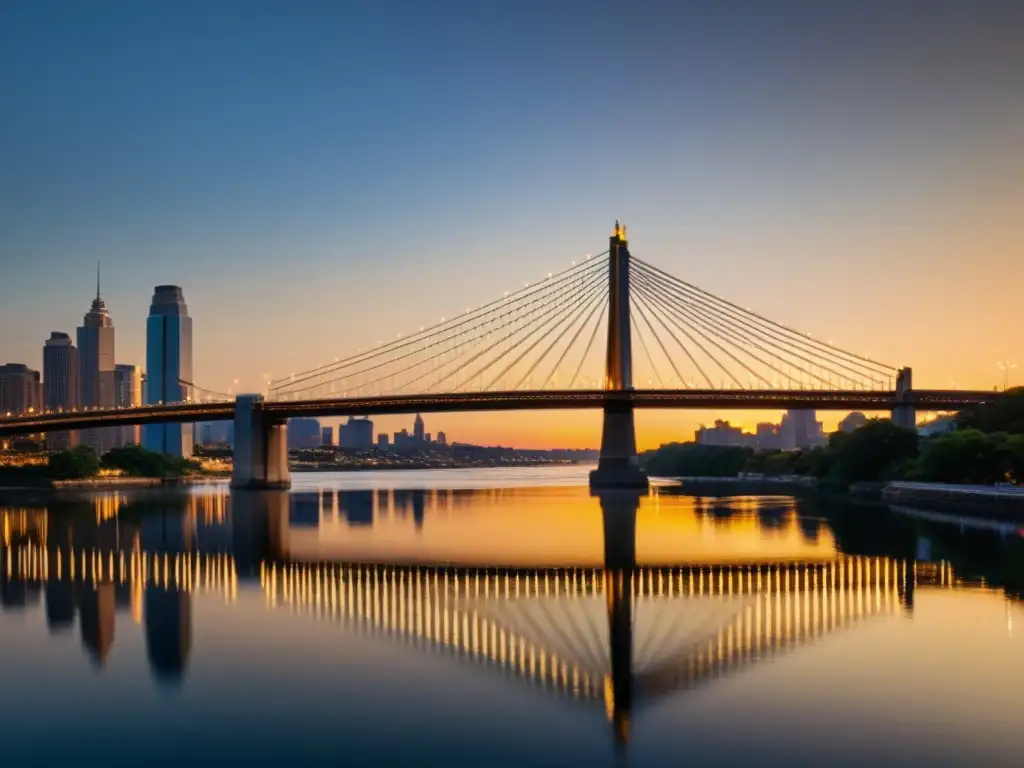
1006,367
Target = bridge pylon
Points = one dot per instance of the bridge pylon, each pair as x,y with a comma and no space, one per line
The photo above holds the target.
617,466
904,414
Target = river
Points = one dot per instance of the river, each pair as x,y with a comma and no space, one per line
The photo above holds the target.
502,617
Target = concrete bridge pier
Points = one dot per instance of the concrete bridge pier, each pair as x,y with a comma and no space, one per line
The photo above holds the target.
261,447
904,415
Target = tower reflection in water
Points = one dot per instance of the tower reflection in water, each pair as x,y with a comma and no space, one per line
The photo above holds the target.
619,636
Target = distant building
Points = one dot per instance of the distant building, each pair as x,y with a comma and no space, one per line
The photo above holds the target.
417,429
60,384
799,429
402,439
168,368
327,436
937,426
96,382
442,438
357,434
426,438
383,441
853,421
722,433
303,433
128,394
767,436
216,434
21,389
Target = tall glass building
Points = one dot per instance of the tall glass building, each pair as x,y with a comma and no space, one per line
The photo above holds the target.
168,368
96,371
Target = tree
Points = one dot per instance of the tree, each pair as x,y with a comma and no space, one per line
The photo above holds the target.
1004,413
868,453
1013,457
76,464
136,461
964,456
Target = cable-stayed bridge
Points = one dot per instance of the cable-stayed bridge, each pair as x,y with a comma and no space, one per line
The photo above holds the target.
569,341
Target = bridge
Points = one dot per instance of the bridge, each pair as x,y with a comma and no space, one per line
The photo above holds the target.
534,348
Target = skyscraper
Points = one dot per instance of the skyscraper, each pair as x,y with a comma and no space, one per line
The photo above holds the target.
128,394
60,383
96,370
168,368
417,429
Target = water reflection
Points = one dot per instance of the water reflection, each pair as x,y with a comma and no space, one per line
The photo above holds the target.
617,633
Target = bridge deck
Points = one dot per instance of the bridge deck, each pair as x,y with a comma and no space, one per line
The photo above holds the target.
746,399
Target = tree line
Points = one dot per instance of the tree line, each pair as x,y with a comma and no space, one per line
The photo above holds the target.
987,447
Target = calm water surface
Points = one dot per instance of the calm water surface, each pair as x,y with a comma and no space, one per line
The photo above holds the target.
502,618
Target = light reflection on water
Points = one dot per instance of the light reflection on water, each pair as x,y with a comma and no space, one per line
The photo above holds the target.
561,627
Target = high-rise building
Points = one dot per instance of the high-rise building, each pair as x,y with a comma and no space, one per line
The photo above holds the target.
417,429
327,436
96,382
356,434
128,394
60,384
303,433
383,441
168,368
21,389
442,438
801,429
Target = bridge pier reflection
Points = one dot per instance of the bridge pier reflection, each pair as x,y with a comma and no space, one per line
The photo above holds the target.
618,514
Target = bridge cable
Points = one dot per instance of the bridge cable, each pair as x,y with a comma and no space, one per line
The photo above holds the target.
533,304
643,343
585,304
725,333
640,303
821,361
586,321
522,324
592,305
444,326
526,301
586,350
591,282
655,300
702,323
794,335
593,290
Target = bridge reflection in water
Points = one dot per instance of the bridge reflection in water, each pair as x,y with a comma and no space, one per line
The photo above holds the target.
621,637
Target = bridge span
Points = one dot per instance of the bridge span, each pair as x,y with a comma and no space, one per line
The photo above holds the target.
569,399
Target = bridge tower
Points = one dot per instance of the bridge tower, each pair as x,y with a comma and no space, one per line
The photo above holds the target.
261,447
617,466
904,415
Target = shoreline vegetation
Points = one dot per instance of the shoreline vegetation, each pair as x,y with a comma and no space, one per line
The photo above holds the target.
985,449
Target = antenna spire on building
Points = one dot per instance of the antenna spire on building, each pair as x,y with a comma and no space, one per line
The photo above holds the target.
97,278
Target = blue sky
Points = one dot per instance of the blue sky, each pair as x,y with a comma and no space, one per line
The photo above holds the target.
314,174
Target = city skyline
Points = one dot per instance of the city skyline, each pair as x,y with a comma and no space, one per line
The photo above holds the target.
749,180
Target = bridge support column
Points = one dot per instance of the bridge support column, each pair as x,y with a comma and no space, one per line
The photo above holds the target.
617,466
904,415
261,447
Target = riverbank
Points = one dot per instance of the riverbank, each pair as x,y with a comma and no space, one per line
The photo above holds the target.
998,502
1001,502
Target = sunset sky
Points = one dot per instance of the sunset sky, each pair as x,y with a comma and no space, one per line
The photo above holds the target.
319,175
